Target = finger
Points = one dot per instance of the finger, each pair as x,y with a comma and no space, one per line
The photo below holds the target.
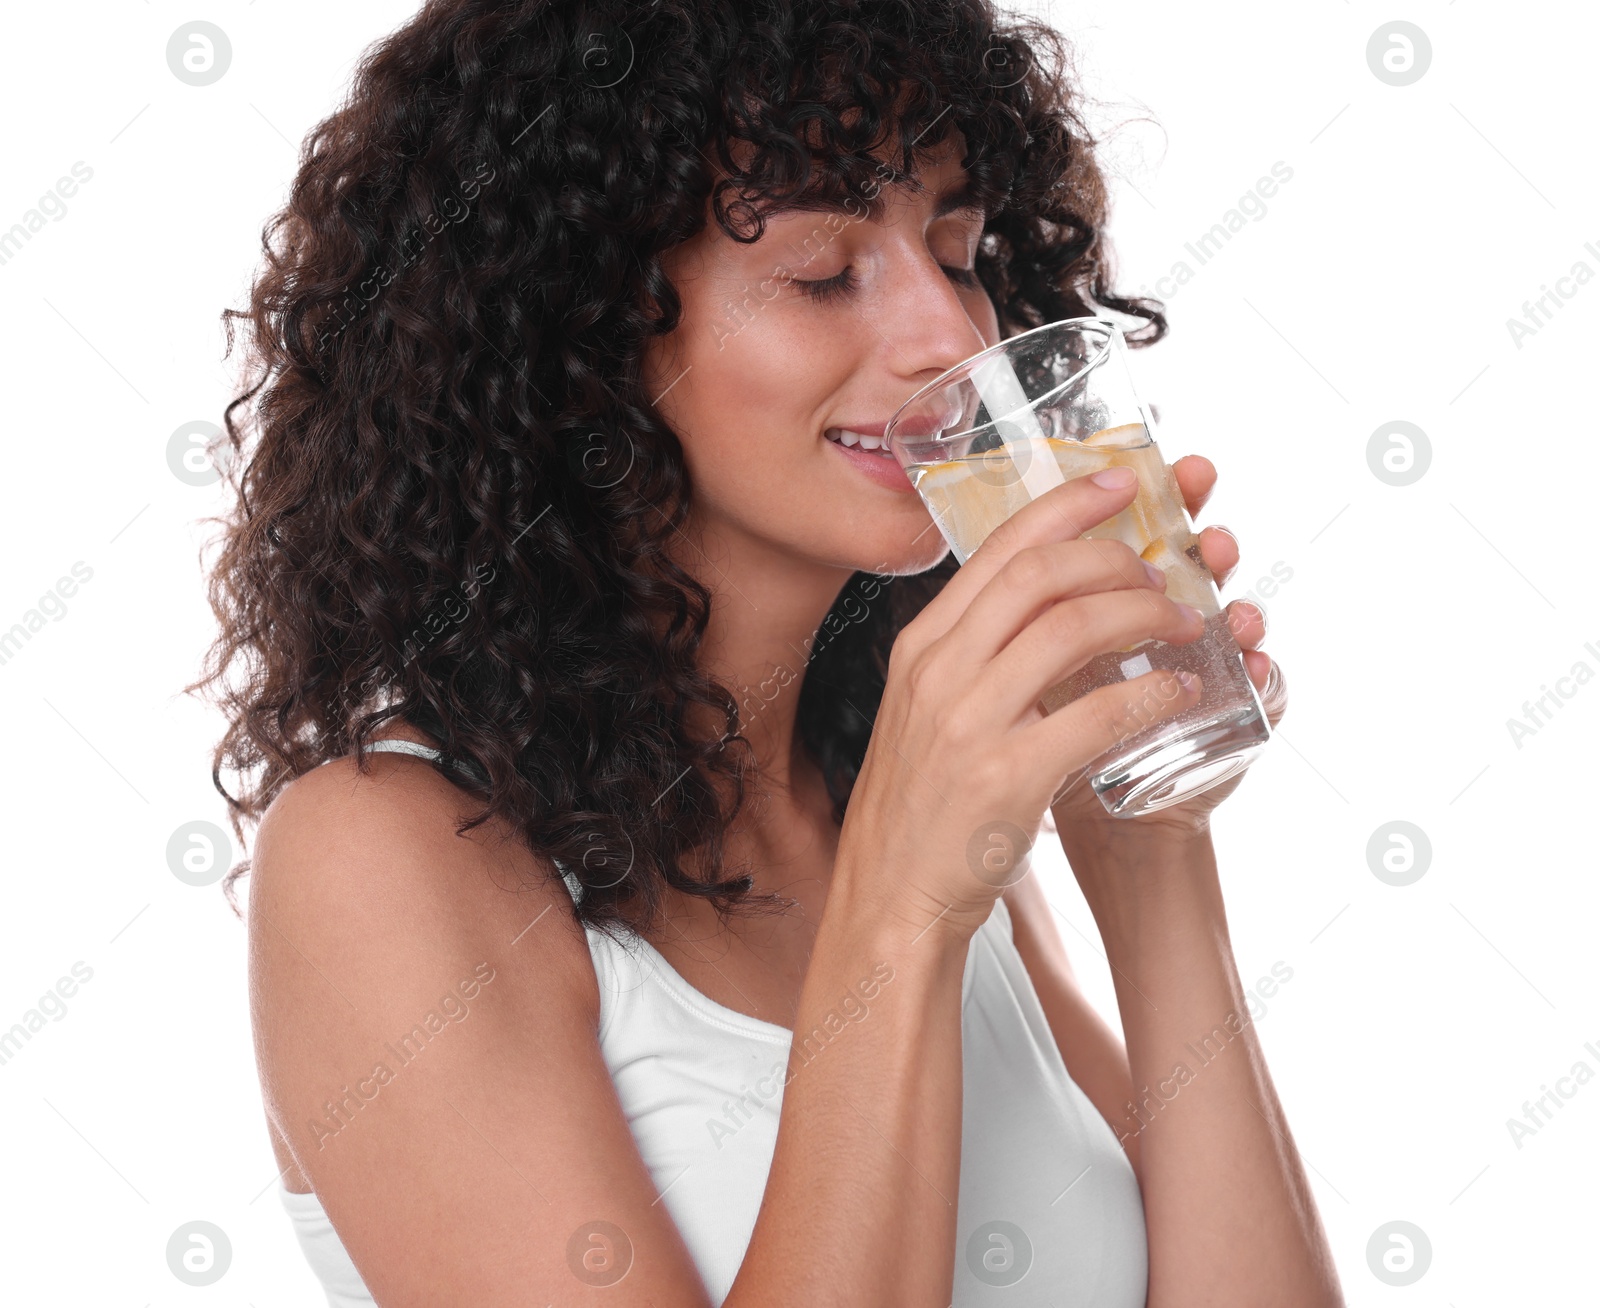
1258,665
1067,636
1219,548
1267,676
1062,513
1078,733
1030,582
1248,623
1197,476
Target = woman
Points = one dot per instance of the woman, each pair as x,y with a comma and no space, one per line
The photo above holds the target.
616,733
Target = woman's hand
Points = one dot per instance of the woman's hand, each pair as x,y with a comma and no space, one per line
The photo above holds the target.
1248,1230
1079,814
963,763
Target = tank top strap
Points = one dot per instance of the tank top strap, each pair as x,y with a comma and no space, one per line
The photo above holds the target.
403,747
460,767
574,886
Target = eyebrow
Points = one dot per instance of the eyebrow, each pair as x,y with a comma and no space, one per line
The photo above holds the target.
962,198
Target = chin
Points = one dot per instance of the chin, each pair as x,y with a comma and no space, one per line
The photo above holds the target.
898,554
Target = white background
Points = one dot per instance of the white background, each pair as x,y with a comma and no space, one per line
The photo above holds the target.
1417,619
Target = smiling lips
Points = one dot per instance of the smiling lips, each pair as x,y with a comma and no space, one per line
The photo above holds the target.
870,455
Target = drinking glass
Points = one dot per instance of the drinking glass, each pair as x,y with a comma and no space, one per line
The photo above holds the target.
997,431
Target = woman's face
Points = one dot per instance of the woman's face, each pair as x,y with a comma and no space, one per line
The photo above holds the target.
763,367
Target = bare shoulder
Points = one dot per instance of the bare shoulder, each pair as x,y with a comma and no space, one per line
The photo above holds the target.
374,855
424,1011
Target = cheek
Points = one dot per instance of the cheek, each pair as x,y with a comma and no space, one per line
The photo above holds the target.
748,375
766,368
745,393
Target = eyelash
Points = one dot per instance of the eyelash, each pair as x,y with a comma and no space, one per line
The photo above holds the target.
837,287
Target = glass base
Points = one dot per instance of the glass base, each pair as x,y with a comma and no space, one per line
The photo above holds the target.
1169,772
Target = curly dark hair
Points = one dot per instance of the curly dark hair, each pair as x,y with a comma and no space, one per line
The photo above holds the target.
459,495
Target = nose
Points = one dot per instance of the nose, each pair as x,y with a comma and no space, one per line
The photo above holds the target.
927,321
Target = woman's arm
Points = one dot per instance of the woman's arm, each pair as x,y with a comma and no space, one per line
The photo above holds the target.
1230,1218
425,1011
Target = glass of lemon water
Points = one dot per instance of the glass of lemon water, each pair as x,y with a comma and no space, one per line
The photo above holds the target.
1058,402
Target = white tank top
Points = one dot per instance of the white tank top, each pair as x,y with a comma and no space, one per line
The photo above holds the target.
1046,1191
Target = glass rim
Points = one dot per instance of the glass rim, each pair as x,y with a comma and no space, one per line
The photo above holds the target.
1110,329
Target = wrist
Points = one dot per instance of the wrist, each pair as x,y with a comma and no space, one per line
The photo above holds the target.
1145,884
1124,848
896,920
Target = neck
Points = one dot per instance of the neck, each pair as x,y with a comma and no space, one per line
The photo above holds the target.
766,610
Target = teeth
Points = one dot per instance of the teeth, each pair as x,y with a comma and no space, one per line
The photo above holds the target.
852,439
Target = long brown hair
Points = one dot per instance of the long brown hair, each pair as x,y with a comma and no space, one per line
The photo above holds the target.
453,494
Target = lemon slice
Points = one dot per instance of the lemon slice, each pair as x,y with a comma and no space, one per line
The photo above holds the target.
952,472
1129,433
1184,580
1161,554
1073,459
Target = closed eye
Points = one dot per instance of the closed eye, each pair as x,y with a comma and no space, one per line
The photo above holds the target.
840,285
830,288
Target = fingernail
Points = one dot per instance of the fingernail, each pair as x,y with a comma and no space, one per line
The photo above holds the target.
1158,578
1114,478
1190,612
1187,679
